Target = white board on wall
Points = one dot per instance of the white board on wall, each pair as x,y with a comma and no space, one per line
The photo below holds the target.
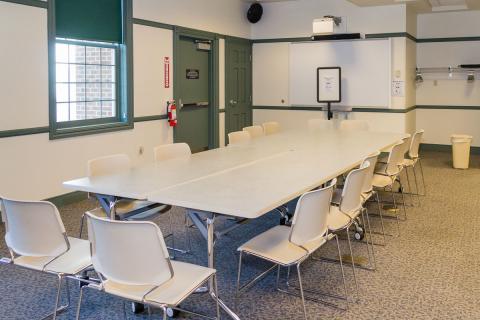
366,71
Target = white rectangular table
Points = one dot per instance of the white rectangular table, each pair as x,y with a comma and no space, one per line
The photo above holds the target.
244,181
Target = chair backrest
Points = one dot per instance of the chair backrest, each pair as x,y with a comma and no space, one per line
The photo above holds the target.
129,252
354,125
108,165
171,151
238,137
319,124
395,158
34,228
414,147
352,190
310,220
367,184
271,127
255,131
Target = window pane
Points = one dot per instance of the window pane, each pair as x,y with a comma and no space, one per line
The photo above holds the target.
77,92
108,74
61,52
108,91
61,72
62,92
94,110
76,54
93,73
108,56
77,73
93,91
77,111
93,55
108,109
62,112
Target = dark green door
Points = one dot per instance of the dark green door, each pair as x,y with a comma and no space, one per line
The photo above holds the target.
238,86
193,92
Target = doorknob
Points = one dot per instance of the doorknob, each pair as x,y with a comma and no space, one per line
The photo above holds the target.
232,102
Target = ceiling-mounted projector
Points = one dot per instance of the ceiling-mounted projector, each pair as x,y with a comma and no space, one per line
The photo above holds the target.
332,28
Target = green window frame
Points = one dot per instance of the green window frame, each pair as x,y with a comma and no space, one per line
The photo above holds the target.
122,118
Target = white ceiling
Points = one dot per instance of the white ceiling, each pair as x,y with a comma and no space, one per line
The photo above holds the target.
423,6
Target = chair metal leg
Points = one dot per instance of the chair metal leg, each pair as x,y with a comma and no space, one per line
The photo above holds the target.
423,178
216,296
371,240
417,191
187,234
381,217
82,221
353,261
403,200
410,191
301,291
164,310
367,242
57,300
239,274
77,317
343,271
395,206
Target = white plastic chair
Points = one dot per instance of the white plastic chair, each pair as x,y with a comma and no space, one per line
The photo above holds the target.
414,158
354,125
140,269
319,124
346,213
125,209
36,239
271,127
290,246
239,137
255,131
171,151
388,174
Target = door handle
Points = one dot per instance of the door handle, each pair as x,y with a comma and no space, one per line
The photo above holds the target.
193,104
233,102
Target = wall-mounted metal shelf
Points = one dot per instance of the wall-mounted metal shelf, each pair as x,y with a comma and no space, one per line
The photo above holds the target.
463,72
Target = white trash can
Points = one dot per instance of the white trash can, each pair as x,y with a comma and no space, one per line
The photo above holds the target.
461,150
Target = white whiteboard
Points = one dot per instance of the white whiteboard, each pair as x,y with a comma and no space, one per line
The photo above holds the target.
366,71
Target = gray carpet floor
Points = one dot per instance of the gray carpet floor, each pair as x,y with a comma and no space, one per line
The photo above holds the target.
431,271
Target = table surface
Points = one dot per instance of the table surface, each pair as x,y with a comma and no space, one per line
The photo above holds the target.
246,180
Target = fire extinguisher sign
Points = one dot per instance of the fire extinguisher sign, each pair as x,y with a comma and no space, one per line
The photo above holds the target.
166,80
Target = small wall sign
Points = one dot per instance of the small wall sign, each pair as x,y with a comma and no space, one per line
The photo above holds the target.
193,74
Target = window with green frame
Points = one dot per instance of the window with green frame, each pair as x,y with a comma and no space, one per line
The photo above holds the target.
90,91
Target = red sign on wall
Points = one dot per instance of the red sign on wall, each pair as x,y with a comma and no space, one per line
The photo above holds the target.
166,79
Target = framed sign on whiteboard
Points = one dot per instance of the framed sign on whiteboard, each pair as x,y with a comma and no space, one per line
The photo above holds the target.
329,84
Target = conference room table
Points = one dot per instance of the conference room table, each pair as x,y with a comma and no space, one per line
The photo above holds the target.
243,181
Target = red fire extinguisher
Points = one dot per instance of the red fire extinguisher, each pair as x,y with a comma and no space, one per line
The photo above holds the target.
172,113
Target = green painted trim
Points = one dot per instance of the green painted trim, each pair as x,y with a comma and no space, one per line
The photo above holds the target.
153,24
273,40
178,32
31,3
440,107
124,120
390,35
314,108
444,148
23,132
221,110
450,39
150,118
68,198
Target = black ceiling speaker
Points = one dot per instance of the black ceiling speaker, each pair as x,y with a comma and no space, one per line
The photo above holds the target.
254,13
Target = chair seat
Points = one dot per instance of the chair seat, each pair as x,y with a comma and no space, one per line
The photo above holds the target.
337,220
187,277
381,181
124,207
274,245
72,262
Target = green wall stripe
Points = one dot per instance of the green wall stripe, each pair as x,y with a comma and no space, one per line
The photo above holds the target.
441,107
153,24
31,3
390,35
68,198
150,118
298,39
313,108
450,39
23,132
444,148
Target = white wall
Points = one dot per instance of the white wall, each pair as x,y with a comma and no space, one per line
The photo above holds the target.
221,16
33,166
294,18
438,89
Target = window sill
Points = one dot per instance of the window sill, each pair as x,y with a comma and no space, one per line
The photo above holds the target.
57,133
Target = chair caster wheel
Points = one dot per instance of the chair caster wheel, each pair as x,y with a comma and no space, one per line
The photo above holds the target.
172,313
137,307
359,234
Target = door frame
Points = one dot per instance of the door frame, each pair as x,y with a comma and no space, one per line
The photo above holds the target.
228,41
213,114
